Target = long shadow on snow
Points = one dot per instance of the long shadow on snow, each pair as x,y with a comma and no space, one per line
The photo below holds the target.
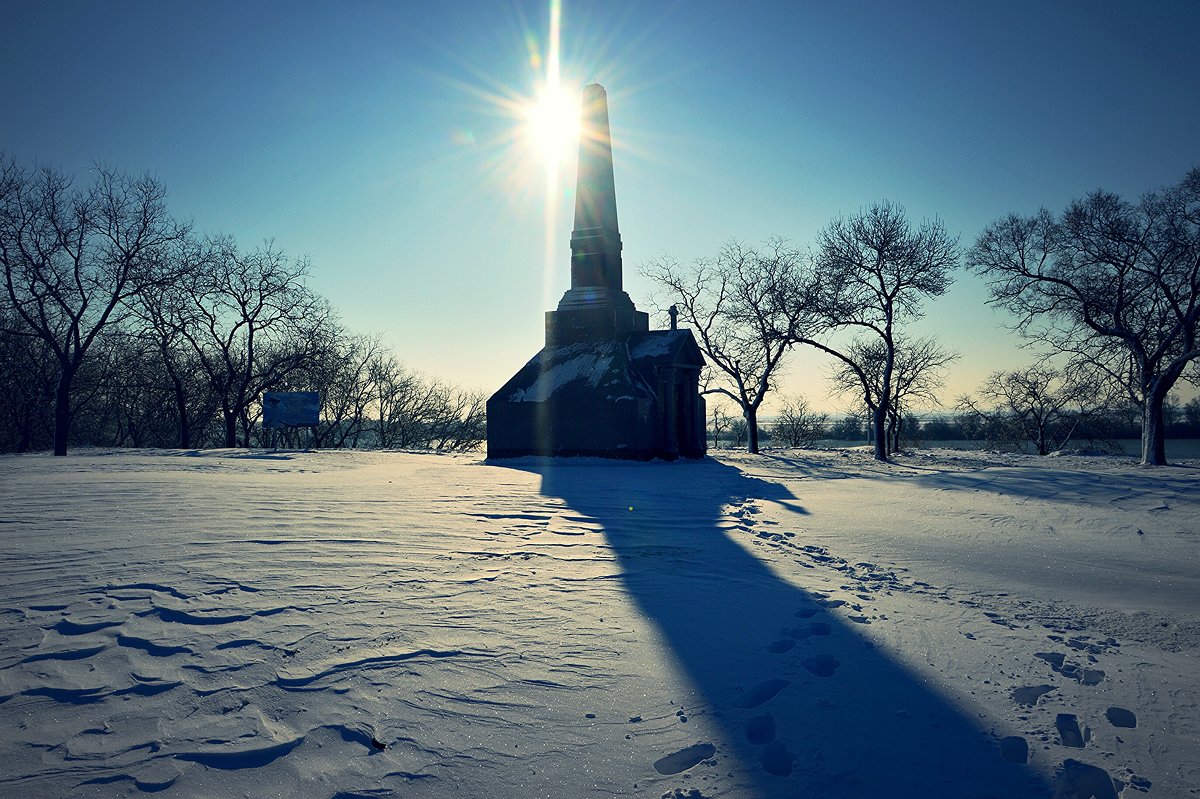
831,716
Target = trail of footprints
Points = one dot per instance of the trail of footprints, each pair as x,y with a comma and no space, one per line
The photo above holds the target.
865,579
759,729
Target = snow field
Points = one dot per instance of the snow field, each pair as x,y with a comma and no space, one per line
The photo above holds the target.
339,624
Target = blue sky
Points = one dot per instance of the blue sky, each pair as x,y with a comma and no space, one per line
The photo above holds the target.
372,137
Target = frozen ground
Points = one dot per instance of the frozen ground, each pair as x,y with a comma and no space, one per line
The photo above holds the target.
333,624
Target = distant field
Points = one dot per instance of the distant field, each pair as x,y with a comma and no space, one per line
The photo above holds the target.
1176,448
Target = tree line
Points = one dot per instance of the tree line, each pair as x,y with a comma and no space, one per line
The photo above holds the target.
120,326
1045,420
1107,293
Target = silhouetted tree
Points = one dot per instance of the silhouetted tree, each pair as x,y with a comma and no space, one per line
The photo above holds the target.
738,429
162,313
798,426
458,422
251,321
1191,416
1039,405
1115,285
719,421
848,428
874,271
28,376
741,306
72,257
401,400
918,372
340,372
412,412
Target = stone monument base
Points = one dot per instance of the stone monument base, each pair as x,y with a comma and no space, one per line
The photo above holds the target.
635,397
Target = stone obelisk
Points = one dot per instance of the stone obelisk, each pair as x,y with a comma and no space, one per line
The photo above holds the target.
605,384
596,307
596,239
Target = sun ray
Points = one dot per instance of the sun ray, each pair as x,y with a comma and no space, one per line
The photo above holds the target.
551,105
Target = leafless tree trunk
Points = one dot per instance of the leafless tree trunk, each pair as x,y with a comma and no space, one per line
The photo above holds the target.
72,258
251,322
738,429
1039,405
741,306
918,372
720,421
163,312
798,426
1114,285
873,272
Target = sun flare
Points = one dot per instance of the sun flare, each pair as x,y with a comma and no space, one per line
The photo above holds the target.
552,123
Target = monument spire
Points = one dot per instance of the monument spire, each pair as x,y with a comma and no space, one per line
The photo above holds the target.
595,308
595,240
605,384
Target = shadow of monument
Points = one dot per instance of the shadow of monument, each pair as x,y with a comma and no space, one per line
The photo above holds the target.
804,704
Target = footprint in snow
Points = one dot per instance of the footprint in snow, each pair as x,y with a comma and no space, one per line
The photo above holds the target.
821,665
762,692
776,759
1120,717
1029,695
1070,732
1080,779
1014,749
684,759
1058,662
760,729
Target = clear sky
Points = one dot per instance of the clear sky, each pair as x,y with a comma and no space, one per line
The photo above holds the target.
383,139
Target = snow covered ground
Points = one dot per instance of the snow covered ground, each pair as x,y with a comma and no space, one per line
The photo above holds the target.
339,624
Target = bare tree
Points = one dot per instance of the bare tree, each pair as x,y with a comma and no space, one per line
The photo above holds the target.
413,412
251,322
738,429
1191,415
73,257
401,400
849,428
458,422
340,372
1115,285
874,272
163,313
719,423
28,376
918,373
741,306
798,426
1040,405
114,393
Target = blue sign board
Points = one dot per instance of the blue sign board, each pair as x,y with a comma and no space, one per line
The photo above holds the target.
291,408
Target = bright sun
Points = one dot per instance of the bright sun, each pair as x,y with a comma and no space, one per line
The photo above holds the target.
552,123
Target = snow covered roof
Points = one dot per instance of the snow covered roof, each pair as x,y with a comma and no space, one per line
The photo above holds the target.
591,368
665,348
617,369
